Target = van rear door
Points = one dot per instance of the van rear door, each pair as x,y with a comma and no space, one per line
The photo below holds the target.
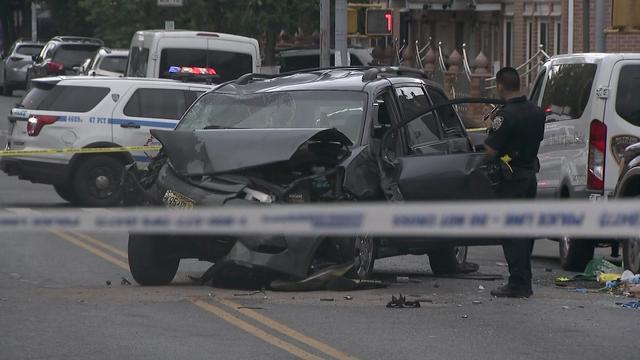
621,116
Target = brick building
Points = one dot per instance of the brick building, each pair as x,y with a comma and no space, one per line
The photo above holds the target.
508,32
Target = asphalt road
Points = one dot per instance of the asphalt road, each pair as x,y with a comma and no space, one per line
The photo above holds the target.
55,303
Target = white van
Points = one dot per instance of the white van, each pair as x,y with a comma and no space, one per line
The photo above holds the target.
590,101
153,52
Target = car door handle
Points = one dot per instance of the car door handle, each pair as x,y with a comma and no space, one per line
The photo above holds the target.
130,125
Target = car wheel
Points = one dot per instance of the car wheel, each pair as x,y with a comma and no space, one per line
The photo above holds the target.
65,192
97,181
447,260
364,256
575,254
631,254
150,260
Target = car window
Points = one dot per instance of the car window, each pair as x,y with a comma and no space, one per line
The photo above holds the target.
537,88
157,103
447,115
627,104
138,64
228,65
293,63
413,101
43,96
74,55
113,63
28,50
567,91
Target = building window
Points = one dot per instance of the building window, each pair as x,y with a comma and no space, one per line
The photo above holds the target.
557,37
508,43
543,35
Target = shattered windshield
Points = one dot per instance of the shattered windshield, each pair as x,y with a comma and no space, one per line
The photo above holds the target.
342,110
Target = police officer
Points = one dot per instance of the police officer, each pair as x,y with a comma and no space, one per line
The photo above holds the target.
513,141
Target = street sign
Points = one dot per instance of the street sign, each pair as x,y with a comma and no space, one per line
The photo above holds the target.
169,2
379,22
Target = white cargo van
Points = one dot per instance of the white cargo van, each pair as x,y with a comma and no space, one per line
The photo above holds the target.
590,101
153,52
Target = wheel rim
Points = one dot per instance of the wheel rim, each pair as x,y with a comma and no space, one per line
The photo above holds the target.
101,182
461,254
633,247
364,255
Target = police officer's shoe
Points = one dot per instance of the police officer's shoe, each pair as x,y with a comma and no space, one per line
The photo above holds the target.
512,291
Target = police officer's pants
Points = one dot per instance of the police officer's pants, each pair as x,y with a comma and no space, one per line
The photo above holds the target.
518,251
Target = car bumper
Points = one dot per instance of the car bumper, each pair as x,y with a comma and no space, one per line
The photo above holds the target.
36,171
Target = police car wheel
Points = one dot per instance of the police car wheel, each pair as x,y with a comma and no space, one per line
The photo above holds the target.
631,254
447,260
150,260
575,254
97,181
65,192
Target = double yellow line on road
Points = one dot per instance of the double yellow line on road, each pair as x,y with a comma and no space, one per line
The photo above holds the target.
119,258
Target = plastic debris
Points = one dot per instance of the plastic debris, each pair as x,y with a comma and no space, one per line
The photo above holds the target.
631,304
599,266
566,307
480,287
630,278
605,277
401,302
581,290
124,281
348,297
476,302
465,316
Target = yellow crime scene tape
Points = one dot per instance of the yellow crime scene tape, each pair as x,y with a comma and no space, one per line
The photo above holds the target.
97,150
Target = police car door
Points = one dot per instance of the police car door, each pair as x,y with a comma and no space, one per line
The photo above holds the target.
438,161
145,107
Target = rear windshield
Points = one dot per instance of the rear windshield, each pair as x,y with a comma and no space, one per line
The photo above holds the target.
300,62
47,96
29,50
627,104
228,65
114,63
567,91
74,55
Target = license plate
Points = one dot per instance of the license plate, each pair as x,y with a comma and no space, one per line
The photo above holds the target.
176,200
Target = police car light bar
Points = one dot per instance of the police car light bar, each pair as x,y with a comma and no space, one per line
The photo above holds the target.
192,70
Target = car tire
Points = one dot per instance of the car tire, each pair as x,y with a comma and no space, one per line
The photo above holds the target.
448,260
97,181
150,261
66,193
631,254
575,254
364,255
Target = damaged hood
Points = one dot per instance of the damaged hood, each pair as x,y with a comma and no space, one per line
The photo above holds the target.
208,152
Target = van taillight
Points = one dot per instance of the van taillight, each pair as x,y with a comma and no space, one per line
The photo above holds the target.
597,152
54,67
37,122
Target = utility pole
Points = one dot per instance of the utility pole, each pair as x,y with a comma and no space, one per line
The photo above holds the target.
600,26
570,29
325,31
34,21
341,33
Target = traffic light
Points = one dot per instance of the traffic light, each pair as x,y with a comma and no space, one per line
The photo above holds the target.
352,21
379,22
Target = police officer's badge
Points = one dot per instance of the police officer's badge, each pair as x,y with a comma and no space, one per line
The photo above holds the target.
497,122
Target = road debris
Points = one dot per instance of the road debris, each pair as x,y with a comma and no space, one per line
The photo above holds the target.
124,281
566,307
250,307
401,302
631,304
480,287
261,291
581,290
108,282
347,297
476,302
502,264
326,299
465,316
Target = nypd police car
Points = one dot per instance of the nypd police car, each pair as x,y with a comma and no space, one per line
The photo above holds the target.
89,112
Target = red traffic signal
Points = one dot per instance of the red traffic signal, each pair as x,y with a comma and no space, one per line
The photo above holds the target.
379,22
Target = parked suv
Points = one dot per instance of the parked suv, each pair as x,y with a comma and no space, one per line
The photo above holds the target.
63,55
107,62
14,65
91,112
340,135
592,115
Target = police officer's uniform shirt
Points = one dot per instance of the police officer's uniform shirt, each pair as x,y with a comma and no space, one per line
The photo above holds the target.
517,131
